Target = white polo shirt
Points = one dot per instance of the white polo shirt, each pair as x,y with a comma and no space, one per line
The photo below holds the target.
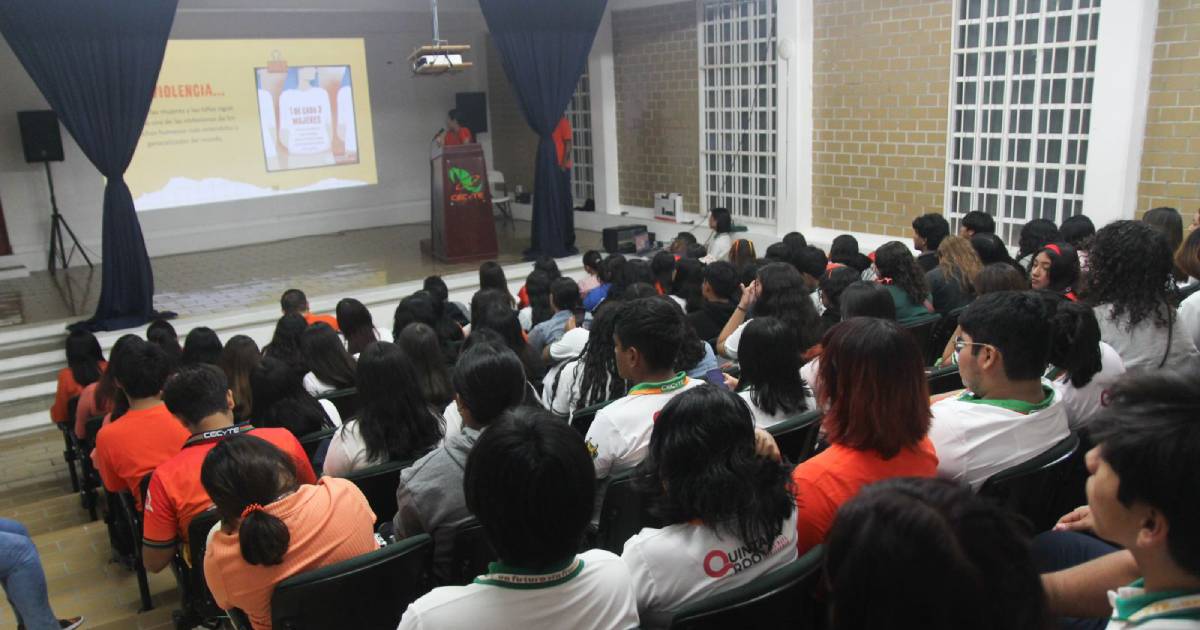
620,433
684,563
594,592
1082,403
975,439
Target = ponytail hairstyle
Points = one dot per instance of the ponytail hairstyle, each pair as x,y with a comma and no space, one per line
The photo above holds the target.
537,287
83,357
243,474
896,265
662,266
1075,346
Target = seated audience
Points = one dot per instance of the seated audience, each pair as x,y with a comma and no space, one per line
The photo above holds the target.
794,240
844,251
1007,415
274,527
357,325
564,302
85,364
648,334
662,266
1129,284
25,581
147,434
1141,495
1169,223
697,359
1188,260
812,264
721,292
992,278
991,249
294,301
877,398
200,398
161,333
592,377
1077,231
770,382
503,321
418,307
949,283
720,221
1082,367
488,380
529,484
612,270
285,343
696,251
1055,268
239,358
330,365
278,399
729,516
681,242
454,314
928,232
98,398
867,299
905,280
778,292
591,270
537,289
420,343
833,283
394,422
1034,235
976,222
491,276
546,265
898,549
743,258
686,288
202,345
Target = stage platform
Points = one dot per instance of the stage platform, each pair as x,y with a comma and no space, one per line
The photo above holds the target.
234,291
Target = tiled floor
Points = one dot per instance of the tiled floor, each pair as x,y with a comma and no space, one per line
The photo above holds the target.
255,275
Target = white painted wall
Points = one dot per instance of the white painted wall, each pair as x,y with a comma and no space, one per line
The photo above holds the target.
406,111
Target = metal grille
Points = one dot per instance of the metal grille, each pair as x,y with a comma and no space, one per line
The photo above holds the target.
579,113
1021,105
738,78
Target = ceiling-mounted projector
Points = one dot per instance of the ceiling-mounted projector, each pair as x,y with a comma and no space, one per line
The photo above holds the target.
440,57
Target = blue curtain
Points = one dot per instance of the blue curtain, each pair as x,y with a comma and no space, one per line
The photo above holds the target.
97,63
544,46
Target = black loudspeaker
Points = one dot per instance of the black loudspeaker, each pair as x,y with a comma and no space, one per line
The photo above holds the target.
40,136
472,107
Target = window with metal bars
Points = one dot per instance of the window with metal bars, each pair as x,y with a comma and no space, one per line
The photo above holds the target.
738,78
579,114
1020,102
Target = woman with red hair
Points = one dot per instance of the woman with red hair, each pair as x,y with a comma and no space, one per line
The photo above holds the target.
873,384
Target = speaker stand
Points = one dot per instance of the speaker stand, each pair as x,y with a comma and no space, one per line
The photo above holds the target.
58,248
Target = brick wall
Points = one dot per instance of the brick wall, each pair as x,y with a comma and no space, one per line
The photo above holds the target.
514,145
657,93
1171,154
881,84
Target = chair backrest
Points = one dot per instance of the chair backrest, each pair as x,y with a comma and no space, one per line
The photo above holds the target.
345,400
582,420
370,591
944,380
378,484
623,513
1037,488
472,553
779,599
940,335
922,329
797,436
312,442
198,598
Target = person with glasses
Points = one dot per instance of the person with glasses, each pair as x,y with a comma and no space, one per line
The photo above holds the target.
1008,414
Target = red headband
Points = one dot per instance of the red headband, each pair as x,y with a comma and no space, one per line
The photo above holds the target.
1054,248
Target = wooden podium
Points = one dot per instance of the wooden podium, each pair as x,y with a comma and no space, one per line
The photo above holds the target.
461,205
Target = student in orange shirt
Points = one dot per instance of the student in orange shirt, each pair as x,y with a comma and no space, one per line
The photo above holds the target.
146,435
456,132
199,396
563,146
85,364
294,301
98,399
272,527
873,384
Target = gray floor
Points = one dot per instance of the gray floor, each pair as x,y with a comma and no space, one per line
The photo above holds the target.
254,275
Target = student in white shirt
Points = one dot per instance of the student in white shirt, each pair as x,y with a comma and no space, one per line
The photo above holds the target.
1188,260
1129,283
721,241
779,291
770,382
1082,367
330,365
529,482
647,336
927,553
1008,414
592,378
704,441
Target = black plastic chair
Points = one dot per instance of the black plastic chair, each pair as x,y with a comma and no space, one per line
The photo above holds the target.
472,554
797,436
922,329
940,336
345,400
370,591
944,380
623,513
89,479
378,484
311,443
582,420
1038,489
133,520
198,608
780,599
67,427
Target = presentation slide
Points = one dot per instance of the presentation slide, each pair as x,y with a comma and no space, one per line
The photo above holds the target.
238,119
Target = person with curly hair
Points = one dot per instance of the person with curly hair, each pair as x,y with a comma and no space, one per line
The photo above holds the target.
591,377
1130,288
779,291
950,285
904,279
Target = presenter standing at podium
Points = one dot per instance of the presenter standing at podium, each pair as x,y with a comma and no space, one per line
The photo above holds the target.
455,133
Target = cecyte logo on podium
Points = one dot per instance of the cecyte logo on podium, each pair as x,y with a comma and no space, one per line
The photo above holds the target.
468,186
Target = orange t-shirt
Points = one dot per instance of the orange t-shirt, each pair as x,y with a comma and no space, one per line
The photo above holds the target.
175,495
462,136
88,409
828,480
134,445
328,319
66,390
328,522
561,135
